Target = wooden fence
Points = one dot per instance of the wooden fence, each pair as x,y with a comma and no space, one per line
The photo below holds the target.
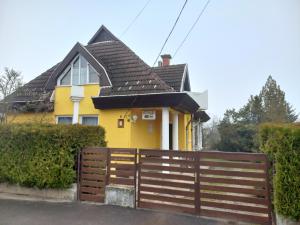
233,186
122,166
92,179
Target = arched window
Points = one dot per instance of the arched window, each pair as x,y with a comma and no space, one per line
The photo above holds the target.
79,72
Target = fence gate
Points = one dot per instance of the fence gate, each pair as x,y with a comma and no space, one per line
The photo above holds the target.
92,174
233,186
167,180
122,166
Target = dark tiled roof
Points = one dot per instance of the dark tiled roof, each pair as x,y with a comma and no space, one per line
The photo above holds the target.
33,90
172,74
127,72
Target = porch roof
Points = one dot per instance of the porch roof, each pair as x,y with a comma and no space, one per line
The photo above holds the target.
178,100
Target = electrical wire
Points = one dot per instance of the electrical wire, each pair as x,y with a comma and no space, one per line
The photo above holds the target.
135,18
170,32
192,27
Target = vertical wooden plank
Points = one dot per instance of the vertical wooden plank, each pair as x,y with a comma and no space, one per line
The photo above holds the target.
78,173
108,152
139,177
197,183
134,178
267,167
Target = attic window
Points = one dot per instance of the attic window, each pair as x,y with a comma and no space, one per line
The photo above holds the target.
79,72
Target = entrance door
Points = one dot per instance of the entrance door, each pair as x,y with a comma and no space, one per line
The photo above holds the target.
170,136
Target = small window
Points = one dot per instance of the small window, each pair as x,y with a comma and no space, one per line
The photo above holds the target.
64,120
66,80
93,75
89,120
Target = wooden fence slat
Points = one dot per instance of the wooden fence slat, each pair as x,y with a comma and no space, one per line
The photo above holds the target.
168,183
151,205
235,216
167,191
167,199
241,199
168,176
232,173
233,190
229,180
168,168
237,207
233,165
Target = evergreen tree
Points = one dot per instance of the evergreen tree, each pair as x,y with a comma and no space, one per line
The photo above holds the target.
238,129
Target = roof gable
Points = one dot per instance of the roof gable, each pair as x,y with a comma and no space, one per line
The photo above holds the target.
103,34
185,83
175,76
79,49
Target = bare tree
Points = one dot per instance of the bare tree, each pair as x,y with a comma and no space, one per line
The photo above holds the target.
10,81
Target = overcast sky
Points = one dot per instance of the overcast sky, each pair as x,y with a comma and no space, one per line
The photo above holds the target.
230,53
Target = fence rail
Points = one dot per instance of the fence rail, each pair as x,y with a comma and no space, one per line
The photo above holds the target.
233,186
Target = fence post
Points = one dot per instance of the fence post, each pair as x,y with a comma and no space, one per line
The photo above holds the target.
272,217
197,182
135,172
139,177
78,173
108,159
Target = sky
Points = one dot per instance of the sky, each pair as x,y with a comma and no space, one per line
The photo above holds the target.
232,50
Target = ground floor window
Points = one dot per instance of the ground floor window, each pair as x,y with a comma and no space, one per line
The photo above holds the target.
89,120
64,120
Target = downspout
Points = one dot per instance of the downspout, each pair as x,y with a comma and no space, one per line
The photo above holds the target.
187,133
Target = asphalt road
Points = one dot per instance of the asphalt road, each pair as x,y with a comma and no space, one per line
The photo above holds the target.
14,212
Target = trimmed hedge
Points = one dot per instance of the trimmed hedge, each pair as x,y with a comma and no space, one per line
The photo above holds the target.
282,144
43,155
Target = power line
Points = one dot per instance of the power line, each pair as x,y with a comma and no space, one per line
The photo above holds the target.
135,18
170,32
192,27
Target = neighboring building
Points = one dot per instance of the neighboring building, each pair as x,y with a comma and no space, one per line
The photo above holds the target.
105,83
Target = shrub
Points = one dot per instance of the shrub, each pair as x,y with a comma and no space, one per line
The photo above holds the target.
43,155
282,144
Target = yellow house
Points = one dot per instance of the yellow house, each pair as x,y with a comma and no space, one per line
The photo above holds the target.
105,83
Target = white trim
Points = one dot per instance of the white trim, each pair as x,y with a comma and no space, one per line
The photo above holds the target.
185,72
98,64
107,96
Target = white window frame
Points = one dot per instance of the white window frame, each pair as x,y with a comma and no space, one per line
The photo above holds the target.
71,67
57,117
93,116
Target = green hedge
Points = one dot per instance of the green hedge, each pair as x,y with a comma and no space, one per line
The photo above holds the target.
42,155
282,144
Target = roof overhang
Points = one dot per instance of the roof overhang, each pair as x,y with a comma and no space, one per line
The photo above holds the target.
178,100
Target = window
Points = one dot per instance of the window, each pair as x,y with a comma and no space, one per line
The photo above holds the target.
89,120
79,72
64,120
66,79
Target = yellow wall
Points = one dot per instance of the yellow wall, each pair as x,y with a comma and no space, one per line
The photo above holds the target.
139,134
146,133
116,137
31,118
